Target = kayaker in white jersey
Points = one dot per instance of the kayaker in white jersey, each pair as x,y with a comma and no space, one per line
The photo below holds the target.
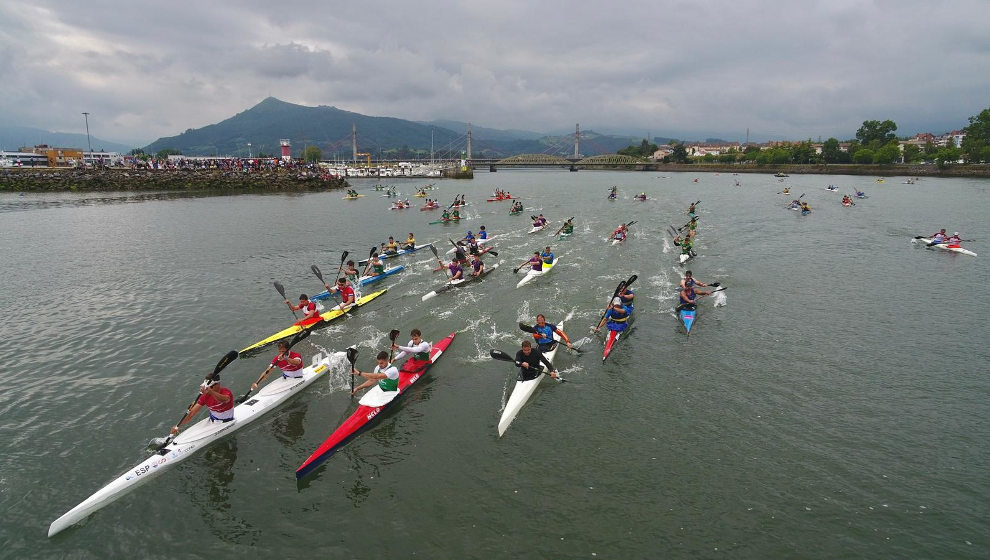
291,364
953,241
385,375
528,361
219,400
417,347
939,238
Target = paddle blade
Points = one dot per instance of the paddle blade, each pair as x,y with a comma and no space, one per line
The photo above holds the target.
434,249
225,361
280,289
393,334
714,284
352,354
526,328
372,252
631,280
500,355
493,253
343,256
316,271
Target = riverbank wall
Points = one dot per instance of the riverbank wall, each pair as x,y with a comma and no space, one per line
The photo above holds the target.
900,170
113,179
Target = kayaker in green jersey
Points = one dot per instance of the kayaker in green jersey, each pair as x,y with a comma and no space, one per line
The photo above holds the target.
446,215
417,347
692,224
351,272
568,228
691,209
455,215
687,247
375,266
385,375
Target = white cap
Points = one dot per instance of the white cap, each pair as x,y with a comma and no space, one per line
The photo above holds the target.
617,301
956,233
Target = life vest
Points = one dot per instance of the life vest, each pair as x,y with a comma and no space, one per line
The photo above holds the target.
545,333
388,384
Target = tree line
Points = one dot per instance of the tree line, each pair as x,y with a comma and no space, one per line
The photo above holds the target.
875,143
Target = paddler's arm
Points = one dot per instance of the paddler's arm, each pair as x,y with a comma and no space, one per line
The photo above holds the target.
372,379
564,336
550,368
264,376
189,415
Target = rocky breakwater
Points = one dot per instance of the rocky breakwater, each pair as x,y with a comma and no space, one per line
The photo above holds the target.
122,179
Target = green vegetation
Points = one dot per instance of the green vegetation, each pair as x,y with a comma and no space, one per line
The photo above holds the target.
644,150
976,144
312,154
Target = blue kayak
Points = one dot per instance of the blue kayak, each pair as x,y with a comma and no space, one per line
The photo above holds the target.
384,256
687,317
363,281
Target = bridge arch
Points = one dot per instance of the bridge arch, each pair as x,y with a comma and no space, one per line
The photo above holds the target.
533,159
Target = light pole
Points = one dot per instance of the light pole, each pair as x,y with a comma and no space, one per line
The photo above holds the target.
88,143
249,150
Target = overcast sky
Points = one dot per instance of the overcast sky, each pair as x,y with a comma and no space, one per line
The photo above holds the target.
791,69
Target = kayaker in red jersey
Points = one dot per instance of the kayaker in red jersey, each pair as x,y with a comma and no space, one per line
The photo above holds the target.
307,307
385,375
291,364
345,290
213,396
953,241
417,347
528,361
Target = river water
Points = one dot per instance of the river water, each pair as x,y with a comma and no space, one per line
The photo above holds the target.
832,404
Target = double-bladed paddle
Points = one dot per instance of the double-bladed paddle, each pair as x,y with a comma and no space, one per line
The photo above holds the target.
281,290
352,355
500,355
295,339
224,362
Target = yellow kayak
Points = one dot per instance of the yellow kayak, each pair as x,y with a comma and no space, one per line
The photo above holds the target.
353,197
299,326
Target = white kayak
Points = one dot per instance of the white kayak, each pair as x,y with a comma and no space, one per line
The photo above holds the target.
533,274
195,438
480,242
944,247
684,257
459,282
538,228
617,241
524,390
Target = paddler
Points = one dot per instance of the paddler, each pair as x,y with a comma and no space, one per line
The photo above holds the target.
691,208
805,208
616,318
445,216
455,215
308,308
627,296
218,399
385,375
346,293
547,256
375,266
391,248
528,361
692,224
953,241
939,237
467,238
477,265
689,280
410,242
482,233
417,347
544,334
688,297
620,232
291,364
687,246
456,272
568,228
535,262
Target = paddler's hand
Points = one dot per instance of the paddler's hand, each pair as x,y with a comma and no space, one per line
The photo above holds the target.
554,374
287,303
174,430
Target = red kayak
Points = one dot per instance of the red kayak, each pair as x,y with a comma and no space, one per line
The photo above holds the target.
613,337
411,371
502,198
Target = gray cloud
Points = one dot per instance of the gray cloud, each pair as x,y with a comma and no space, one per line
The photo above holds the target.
675,68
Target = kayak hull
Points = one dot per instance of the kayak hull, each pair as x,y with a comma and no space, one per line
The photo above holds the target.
534,274
328,316
399,253
194,438
363,281
687,316
945,247
456,283
411,372
523,390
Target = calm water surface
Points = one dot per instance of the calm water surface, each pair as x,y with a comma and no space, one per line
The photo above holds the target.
832,405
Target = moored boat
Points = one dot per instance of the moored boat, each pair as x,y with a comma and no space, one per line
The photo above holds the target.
371,405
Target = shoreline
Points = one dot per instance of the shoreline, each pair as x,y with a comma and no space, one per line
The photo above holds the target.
47,179
898,170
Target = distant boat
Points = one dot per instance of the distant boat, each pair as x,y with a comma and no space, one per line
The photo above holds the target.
780,174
